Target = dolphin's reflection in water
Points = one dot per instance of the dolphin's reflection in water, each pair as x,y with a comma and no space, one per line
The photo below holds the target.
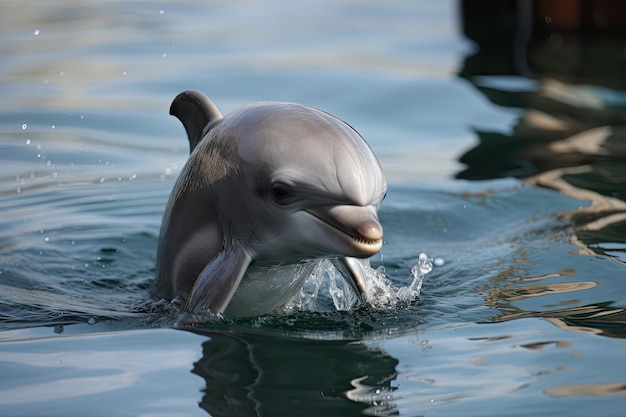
263,375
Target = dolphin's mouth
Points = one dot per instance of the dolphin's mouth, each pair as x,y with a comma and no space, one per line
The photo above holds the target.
358,227
363,241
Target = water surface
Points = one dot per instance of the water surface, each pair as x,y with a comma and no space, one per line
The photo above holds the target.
513,179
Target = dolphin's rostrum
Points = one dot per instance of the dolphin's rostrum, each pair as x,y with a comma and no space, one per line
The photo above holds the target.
267,189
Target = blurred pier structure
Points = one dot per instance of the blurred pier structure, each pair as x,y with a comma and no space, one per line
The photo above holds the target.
578,41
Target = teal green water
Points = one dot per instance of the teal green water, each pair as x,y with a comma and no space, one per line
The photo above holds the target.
515,182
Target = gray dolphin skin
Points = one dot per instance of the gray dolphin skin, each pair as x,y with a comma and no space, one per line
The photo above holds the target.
267,190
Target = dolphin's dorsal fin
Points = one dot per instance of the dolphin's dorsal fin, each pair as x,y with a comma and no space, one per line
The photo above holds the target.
195,111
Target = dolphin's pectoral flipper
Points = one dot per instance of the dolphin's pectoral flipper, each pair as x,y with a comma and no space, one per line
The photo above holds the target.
216,284
354,269
195,111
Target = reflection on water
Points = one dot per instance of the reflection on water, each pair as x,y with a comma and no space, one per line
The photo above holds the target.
587,390
112,374
565,74
259,374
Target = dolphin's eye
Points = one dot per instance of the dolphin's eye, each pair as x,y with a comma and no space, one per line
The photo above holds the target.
281,193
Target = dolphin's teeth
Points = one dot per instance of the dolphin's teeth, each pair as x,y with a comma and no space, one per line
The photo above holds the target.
364,241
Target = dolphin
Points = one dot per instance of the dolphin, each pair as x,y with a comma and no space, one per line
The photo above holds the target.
267,190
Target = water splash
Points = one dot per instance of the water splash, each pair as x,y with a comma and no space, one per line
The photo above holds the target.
380,292
423,267
308,297
344,298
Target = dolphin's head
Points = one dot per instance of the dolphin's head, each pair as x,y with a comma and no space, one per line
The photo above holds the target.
316,184
265,187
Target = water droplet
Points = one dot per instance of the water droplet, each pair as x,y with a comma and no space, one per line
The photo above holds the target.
48,163
164,55
423,265
161,11
102,180
82,116
46,239
124,73
438,261
53,127
24,126
168,171
27,142
36,32
91,321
